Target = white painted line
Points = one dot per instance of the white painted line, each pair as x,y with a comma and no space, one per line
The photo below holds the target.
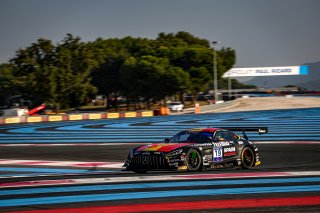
114,165
122,179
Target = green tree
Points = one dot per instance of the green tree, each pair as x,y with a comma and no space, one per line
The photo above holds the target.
67,73
200,78
7,85
32,67
59,75
151,77
70,81
111,54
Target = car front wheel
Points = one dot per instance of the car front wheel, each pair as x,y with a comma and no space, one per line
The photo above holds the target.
193,160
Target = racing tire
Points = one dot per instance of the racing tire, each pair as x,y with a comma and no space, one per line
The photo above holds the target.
247,158
193,160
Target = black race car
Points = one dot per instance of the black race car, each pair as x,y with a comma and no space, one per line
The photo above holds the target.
197,149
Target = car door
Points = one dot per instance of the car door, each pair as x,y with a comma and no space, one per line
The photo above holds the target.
224,147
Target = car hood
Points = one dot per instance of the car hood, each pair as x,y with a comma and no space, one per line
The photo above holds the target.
162,147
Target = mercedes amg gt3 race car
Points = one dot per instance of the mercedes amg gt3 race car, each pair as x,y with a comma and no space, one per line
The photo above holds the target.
196,150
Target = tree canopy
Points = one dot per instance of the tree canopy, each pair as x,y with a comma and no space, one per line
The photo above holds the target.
65,74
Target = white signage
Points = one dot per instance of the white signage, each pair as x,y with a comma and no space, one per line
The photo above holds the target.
266,71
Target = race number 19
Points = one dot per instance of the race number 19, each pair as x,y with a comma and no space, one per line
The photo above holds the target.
217,154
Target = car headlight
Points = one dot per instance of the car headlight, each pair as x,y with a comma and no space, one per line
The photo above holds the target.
175,153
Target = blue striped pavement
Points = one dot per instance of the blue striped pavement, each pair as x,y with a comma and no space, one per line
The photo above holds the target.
284,125
155,194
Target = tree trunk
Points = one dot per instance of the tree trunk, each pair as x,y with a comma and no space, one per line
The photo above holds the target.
108,101
148,104
194,98
181,97
116,101
57,108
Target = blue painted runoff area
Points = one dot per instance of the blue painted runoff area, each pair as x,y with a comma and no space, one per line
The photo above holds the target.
154,194
284,125
62,189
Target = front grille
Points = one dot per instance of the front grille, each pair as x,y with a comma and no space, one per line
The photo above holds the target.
148,161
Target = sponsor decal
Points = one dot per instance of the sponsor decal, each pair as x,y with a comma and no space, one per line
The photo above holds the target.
220,144
95,116
34,119
207,158
55,118
229,151
75,117
113,115
12,120
217,154
147,114
240,142
130,114
175,160
202,144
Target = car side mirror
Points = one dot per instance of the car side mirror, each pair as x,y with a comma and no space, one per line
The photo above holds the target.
167,140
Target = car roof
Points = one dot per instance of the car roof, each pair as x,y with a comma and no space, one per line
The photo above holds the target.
211,129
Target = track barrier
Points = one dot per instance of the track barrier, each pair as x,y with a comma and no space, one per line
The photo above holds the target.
74,117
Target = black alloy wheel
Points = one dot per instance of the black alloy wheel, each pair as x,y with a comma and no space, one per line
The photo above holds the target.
247,158
193,160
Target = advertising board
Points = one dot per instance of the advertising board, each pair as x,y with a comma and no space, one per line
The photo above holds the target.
266,71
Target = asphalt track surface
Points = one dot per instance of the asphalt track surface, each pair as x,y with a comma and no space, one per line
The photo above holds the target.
287,181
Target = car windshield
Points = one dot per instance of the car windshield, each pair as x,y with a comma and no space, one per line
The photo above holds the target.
191,137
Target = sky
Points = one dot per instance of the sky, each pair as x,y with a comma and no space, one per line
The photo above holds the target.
262,32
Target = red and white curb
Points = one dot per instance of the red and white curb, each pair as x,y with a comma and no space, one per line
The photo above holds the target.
109,165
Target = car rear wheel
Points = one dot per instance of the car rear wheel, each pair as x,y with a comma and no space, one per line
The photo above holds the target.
193,160
247,158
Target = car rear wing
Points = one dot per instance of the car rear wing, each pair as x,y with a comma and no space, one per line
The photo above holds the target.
260,130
